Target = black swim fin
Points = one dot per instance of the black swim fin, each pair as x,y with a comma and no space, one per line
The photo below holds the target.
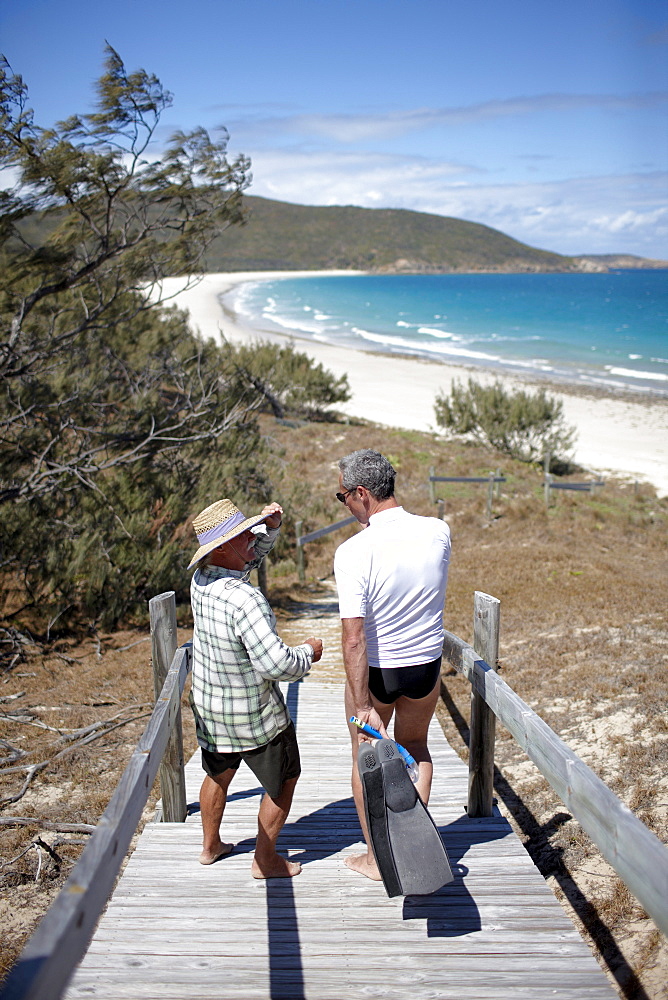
371,776
418,854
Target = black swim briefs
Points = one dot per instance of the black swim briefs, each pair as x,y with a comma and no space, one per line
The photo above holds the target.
387,684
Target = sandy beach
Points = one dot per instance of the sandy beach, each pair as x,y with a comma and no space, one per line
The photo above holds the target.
615,436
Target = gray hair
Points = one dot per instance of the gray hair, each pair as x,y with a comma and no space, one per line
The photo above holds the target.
370,469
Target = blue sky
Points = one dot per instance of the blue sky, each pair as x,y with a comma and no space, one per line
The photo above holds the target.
547,120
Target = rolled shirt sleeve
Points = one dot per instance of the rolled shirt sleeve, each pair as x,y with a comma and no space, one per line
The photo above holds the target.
238,660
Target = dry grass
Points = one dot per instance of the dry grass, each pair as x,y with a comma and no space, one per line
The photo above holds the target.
583,641
75,788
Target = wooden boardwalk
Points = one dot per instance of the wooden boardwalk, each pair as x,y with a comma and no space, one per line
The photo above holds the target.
176,930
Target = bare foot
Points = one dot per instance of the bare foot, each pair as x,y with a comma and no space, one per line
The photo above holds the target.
360,863
208,857
278,868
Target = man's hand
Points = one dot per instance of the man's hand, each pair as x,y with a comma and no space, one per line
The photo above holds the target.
372,718
316,645
273,515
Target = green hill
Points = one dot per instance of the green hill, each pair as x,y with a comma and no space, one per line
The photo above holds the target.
281,236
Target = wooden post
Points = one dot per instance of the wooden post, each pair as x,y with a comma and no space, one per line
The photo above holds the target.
483,721
262,576
432,494
490,494
162,612
548,480
300,551
498,485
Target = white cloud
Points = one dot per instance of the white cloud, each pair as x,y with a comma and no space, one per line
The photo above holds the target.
372,125
583,215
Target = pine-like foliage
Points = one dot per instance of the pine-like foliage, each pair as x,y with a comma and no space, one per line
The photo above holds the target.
288,380
116,423
524,425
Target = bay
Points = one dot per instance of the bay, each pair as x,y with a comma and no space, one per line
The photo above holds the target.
607,330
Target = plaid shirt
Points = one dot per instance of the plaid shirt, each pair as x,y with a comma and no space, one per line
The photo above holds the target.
238,659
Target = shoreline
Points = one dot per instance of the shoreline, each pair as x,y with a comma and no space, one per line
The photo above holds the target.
617,434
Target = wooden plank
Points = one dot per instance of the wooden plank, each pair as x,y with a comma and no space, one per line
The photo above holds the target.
467,479
486,612
162,614
62,937
321,532
175,928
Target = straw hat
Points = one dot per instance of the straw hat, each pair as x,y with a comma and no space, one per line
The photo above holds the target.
219,523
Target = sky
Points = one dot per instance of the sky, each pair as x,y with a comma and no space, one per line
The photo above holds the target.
547,119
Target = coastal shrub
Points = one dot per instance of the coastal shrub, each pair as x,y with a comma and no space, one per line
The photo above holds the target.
290,383
524,425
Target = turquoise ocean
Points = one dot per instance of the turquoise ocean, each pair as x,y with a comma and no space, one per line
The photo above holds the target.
605,330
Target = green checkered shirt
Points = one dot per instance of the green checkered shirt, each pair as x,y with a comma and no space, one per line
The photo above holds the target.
238,659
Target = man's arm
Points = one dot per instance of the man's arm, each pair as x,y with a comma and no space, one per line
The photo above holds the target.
265,540
353,643
269,655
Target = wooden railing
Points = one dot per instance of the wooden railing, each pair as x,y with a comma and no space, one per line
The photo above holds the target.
589,487
302,540
635,853
61,939
492,480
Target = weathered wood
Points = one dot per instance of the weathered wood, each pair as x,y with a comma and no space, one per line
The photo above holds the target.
62,937
262,577
486,611
582,487
490,495
466,479
321,532
496,932
162,612
635,853
300,551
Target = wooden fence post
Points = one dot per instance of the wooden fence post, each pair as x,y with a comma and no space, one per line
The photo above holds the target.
300,551
548,480
490,494
483,721
432,494
162,613
262,576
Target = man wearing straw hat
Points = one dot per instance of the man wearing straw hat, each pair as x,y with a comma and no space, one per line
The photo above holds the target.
238,660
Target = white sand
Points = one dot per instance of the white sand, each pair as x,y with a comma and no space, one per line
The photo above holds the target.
616,436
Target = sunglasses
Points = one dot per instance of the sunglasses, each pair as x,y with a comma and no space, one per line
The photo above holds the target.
342,497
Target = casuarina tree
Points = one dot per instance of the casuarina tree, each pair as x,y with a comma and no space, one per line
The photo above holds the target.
112,414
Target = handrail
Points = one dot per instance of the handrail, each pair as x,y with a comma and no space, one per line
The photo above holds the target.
588,487
61,939
635,853
311,536
492,479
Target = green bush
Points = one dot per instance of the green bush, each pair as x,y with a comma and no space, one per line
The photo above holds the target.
288,380
524,425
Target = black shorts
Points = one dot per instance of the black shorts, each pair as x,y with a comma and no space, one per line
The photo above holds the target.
273,764
387,684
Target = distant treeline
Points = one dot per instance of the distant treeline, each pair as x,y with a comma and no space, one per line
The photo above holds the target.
281,236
